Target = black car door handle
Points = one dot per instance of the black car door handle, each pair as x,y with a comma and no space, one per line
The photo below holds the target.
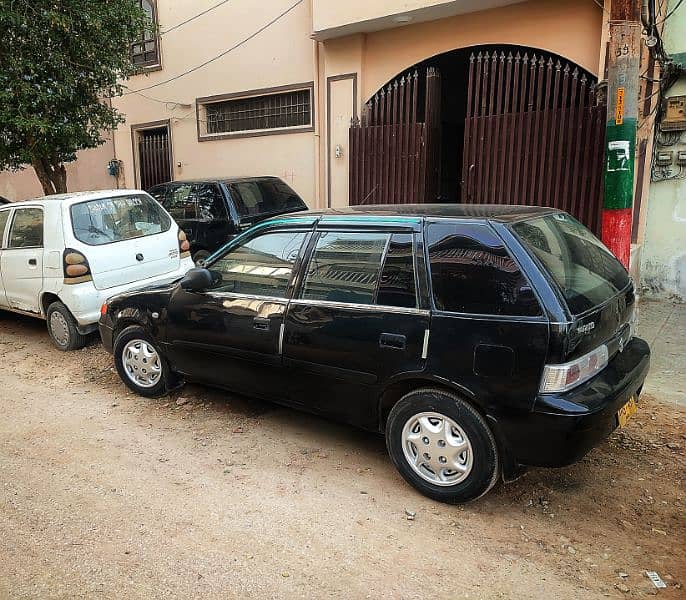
393,341
33,262
261,324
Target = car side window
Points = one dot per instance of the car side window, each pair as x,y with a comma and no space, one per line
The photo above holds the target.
27,228
472,272
397,283
180,203
345,267
4,216
160,193
262,266
209,203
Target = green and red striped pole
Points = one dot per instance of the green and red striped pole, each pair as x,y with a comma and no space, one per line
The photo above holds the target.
622,116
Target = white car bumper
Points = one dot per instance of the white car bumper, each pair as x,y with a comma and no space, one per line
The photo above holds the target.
84,300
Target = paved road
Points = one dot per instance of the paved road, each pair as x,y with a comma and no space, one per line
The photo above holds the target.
106,495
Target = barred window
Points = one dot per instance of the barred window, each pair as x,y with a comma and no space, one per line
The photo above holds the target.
145,50
282,110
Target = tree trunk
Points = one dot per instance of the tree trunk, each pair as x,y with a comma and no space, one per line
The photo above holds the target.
52,175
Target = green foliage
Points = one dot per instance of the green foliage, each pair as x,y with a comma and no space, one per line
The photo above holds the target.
59,62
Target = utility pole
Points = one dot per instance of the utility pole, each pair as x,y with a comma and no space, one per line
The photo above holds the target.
620,131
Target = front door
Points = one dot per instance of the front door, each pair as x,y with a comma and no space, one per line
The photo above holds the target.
21,262
355,324
154,156
230,335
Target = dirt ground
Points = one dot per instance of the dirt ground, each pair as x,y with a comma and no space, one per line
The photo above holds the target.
104,494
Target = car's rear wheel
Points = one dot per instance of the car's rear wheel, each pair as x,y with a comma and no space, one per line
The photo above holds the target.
62,328
139,362
442,446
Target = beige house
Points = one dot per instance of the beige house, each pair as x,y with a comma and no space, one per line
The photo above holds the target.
245,88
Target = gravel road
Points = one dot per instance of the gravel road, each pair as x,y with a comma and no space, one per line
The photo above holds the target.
104,494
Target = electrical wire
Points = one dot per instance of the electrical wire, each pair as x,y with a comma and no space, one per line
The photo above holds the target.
204,12
670,13
220,55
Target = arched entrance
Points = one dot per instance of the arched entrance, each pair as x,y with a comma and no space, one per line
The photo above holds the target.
490,124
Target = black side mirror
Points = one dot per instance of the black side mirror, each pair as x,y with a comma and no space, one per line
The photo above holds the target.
197,280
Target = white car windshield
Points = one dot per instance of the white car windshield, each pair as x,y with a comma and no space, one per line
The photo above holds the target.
108,220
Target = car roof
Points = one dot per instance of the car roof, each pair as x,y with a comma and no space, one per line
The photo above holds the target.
75,197
491,212
228,179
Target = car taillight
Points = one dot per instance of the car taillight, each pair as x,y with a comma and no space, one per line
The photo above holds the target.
184,244
76,267
564,377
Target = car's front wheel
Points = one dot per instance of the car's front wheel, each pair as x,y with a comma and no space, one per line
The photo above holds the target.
139,362
442,446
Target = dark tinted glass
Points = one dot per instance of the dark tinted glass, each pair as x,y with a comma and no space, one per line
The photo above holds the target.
264,197
180,202
27,228
345,267
471,272
586,271
209,202
159,193
397,282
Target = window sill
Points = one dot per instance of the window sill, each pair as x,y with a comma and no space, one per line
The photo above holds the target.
209,137
144,70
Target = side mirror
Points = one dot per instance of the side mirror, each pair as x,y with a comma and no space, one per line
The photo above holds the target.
197,280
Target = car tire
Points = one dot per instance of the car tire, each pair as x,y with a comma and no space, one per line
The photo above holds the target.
62,328
199,256
429,428
140,364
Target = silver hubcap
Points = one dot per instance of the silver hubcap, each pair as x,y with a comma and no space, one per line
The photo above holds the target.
141,363
59,328
437,448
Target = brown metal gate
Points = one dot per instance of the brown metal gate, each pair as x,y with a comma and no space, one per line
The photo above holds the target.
534,135
394,157
154,157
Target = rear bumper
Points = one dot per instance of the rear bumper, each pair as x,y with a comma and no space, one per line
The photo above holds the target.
562,428
84,300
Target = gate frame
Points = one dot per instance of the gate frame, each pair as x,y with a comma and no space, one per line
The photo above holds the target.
135,131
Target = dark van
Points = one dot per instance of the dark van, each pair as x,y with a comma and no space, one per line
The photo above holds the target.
213,211
477,339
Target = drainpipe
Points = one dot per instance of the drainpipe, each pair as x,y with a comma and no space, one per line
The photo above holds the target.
620,129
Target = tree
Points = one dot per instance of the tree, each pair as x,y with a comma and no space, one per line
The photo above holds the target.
60,62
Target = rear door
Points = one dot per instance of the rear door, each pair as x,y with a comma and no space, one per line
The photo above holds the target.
4,220
355,324
21,262
125,238
231,334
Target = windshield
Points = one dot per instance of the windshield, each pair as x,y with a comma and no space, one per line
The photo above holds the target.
264,197
108,220
586,272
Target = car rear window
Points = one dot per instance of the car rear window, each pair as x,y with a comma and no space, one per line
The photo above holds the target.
472,272
262,198
586,272
108,220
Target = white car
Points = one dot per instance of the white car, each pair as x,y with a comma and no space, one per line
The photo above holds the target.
63,256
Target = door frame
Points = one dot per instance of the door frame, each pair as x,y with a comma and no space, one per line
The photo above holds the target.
330,80
135,131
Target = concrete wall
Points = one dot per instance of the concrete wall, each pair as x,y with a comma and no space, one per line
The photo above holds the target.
283,54
87,172
663,257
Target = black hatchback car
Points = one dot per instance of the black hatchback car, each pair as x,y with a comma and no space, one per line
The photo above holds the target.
213,211
478,339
